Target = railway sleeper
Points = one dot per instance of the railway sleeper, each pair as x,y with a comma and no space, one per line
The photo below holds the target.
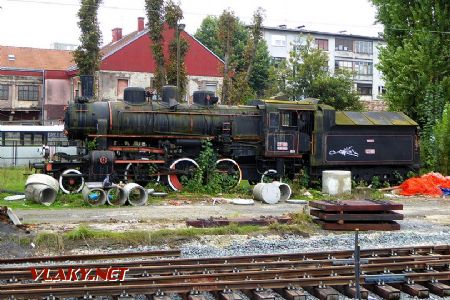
323,292
385,291
415,290
229,295
438,288
292,293
350,291
161,297
261,294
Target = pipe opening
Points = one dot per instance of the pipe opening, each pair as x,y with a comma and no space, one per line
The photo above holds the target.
116,196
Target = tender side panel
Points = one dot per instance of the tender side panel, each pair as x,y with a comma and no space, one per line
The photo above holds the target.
353,148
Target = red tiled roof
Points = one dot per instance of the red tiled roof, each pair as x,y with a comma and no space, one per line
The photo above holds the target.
34,58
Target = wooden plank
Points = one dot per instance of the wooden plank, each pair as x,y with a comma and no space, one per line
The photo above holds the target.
350,291
388,226
356,216
323,293
356,205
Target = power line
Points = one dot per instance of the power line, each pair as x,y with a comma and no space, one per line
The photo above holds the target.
216,15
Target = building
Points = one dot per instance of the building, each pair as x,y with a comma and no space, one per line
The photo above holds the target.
352,52
36,84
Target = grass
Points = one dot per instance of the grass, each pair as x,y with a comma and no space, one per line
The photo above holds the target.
302,225
14,179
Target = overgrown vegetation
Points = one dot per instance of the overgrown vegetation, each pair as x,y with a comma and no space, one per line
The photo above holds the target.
207,178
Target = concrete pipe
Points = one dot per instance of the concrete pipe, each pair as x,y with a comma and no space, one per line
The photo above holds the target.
267,192
116,196
94,196
41,188
285,190
40,193
136,194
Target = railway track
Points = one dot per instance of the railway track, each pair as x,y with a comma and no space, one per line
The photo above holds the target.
416,271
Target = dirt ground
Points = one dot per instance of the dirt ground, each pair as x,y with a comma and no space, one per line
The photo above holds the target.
169,216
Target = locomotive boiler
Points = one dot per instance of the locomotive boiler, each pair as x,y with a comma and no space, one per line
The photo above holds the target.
143,140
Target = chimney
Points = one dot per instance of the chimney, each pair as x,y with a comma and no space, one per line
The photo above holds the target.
116,34
140,24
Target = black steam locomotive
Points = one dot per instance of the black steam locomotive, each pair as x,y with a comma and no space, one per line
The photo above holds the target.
142,140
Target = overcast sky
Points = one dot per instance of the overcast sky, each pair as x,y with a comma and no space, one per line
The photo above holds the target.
39,23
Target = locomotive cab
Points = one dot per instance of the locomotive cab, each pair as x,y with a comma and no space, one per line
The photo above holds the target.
289,129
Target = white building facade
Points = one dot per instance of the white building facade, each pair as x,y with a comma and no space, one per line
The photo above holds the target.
358,54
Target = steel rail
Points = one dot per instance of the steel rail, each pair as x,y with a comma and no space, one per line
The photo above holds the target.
80,257
186,287
138,267
343,254
251,274
247,275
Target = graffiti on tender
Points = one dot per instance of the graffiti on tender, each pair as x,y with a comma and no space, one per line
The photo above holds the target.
345,152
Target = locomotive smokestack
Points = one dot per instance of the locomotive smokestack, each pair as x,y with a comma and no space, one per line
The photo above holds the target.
116,34
140,24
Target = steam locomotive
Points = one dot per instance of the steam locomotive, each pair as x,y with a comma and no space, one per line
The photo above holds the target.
143,140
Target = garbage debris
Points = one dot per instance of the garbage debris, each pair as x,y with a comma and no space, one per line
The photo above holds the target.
296,201
431,184
14,198
239,201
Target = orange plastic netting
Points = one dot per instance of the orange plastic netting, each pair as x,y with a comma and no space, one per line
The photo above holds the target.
429,184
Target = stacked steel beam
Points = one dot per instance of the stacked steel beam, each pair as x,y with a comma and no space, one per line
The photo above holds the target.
356,214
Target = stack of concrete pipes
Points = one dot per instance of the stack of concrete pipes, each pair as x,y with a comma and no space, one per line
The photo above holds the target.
131,193
41,188
272,193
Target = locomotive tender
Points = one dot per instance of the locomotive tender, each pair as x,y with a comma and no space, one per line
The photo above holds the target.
142,140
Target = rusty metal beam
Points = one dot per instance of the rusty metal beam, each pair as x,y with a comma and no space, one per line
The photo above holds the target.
359,216
388,226
356,205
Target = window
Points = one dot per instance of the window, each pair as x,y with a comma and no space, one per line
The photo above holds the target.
364,89
289,119
4,92
363,68
28,93
322,44
344,45
276,61
381,90
12,138
274,120
122,84
363,47
344,65
278,40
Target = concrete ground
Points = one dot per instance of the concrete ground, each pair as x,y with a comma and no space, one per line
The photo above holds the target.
167,216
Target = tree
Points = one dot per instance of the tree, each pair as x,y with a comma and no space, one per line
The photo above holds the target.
226,30
415,63
87,56
306,75
250,85
417,52
173,16
155,16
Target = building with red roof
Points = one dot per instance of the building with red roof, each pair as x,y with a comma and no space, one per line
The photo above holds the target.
36,84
